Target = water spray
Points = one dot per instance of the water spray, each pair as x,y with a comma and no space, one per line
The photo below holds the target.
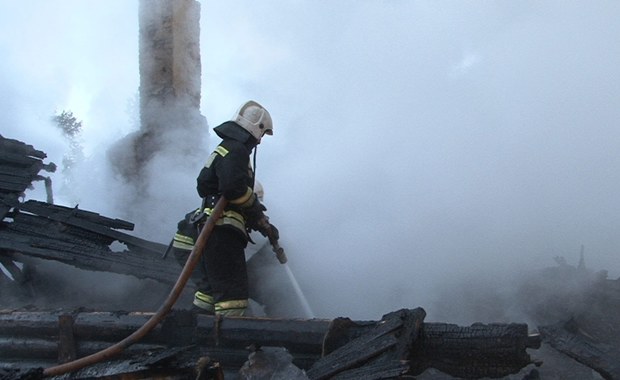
281,256
302,298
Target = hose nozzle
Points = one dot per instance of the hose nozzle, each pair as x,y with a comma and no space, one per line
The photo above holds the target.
280,255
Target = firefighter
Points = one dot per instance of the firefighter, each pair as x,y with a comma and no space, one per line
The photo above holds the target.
187,234
229,174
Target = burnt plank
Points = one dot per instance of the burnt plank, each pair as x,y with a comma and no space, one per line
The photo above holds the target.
36,226
73,213
20,160
410,332
353,354
137,263
14,183
16,146
74,217
139,366
386,370
359,350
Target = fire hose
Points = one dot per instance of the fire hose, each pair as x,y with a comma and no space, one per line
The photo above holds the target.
117,348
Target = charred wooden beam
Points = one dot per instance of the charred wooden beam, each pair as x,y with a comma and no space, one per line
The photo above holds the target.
67,350
378,348
90,221
19,166
50,238
477,351
18,147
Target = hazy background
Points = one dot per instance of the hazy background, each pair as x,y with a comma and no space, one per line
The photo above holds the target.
421,148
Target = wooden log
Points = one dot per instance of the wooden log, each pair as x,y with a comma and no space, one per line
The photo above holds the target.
67,350
479,350
475,351
32,348
179,328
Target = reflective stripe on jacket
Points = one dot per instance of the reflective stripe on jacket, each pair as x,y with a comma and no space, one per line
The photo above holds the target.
227,172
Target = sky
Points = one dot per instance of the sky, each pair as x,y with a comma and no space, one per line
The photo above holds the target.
418,146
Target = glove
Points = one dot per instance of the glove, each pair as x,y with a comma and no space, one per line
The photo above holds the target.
275,234
268,230
254,215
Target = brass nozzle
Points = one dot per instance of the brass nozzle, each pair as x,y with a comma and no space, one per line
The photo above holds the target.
280,255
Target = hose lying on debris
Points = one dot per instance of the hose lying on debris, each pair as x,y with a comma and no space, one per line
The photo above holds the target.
117,348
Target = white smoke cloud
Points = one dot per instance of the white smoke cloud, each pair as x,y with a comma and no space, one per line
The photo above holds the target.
416,143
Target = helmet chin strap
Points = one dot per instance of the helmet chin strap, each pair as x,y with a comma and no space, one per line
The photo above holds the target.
254,166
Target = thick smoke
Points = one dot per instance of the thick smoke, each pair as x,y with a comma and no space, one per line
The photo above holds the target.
418,146
421,146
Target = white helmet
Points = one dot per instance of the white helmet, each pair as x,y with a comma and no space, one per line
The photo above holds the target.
255,119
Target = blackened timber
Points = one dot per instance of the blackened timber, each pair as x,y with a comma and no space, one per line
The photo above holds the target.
7,202
296,335
388,370
471,352
90,221
15,146
480,350
67,350
372,343
73,215
19,167
570,340
131,263
385,347
31,235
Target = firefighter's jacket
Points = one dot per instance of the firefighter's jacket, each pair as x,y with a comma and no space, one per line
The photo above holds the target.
228,173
